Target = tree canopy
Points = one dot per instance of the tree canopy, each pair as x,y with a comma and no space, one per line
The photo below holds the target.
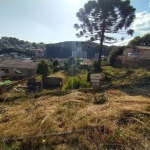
43,68
140,41
55,62
101,18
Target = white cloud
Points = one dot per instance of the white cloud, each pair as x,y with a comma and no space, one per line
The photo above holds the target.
124,42
142,22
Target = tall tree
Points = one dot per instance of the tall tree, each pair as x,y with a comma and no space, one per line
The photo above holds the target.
55,63
101,18
43,69
135,41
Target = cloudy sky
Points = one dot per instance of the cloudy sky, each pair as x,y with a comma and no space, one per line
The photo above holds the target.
51,21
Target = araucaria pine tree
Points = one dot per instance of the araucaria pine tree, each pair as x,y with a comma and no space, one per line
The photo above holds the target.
101,18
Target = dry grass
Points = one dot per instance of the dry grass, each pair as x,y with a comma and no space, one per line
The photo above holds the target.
113,119
123,122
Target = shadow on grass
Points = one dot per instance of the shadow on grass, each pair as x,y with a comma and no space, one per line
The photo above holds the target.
137,86
132,82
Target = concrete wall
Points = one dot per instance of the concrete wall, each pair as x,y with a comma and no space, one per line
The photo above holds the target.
128,50
26,72
132,63
53,81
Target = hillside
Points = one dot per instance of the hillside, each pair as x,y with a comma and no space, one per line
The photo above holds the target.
115,117
56,50
64,49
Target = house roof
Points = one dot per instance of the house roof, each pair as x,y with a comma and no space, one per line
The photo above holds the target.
143,47
20,64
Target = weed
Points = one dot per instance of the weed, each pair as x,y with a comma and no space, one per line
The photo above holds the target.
76,83
100,100
148,108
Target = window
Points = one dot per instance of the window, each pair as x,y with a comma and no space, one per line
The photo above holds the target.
5,70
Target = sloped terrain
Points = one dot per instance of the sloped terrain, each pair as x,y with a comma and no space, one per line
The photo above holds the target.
78,119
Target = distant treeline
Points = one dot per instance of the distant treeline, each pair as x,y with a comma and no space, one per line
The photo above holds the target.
64,49
11,50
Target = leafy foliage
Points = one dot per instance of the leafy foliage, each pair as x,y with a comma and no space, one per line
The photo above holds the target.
95,65
72,62
101,17
114,53
76,83
55,63
43,68
141,41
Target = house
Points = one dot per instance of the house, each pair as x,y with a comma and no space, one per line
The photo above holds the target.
143,51
128,50
39,53
137,51
25,67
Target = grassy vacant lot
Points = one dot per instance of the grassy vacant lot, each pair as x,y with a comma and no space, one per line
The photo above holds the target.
116,116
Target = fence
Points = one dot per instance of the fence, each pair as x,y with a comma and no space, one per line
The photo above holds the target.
132,63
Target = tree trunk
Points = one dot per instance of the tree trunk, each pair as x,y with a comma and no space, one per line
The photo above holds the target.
99,58
101,47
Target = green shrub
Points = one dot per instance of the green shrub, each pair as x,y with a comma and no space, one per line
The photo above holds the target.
76,83
95,65
129,72
114,54
84,84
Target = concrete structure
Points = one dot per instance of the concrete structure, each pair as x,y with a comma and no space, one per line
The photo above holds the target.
137,51
53,81
27,67
78,52
1,74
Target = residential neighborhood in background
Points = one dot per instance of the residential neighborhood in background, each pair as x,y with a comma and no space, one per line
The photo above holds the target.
36,49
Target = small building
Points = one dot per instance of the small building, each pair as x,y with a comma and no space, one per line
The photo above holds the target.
26,67
137,51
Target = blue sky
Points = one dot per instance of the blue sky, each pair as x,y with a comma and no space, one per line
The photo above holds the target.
51,21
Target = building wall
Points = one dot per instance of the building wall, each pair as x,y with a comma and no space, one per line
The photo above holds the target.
79,49
25,72
140,53
53,81
74,53
79,54
128,50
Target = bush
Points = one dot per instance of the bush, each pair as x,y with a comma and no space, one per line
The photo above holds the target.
129,72
55,63
95,65
101,100
76,83
114,54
